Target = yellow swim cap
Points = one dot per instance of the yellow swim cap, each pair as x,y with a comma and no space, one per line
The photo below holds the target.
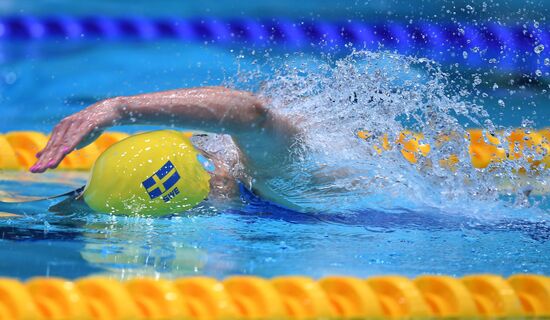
154,173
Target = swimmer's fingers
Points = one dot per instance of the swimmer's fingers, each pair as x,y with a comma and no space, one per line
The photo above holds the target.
76,132
45,157
58,145
66,145
57,132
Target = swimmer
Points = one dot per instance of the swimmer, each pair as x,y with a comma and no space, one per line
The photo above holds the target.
246,141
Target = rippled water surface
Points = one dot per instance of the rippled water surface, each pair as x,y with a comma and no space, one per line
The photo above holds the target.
264,240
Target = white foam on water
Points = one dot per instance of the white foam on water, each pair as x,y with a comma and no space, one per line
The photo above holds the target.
386,93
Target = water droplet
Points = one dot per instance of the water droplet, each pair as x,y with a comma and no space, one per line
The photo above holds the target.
538,73
495,86
538,49
501,103
465,54
547,61
477,81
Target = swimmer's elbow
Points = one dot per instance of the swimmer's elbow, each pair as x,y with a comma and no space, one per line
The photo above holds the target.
259,113
250,113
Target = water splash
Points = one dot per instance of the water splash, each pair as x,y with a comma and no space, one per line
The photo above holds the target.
386,94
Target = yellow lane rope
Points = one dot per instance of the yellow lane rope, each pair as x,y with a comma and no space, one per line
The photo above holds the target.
289,297
18,148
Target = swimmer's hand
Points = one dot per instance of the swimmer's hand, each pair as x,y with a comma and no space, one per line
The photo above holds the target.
76,131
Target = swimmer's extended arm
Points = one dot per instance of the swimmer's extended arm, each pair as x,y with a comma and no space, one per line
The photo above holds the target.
213,109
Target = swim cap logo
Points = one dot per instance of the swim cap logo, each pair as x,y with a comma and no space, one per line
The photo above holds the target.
162,181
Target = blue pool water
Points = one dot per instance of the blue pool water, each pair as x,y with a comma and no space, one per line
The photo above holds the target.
262,240
408,228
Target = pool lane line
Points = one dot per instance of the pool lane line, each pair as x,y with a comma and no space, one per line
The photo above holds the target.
18,148
521,296
512,47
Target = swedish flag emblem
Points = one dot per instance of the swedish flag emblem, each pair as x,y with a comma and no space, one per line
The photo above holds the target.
164,179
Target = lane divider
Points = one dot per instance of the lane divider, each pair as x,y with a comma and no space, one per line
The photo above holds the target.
483,147
518,47
288,297
18,148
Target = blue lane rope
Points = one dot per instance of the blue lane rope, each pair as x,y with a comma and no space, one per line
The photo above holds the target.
516,47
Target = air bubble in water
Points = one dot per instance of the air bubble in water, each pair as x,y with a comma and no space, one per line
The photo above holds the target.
547,61
538,49
538,73
501,103
477,81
